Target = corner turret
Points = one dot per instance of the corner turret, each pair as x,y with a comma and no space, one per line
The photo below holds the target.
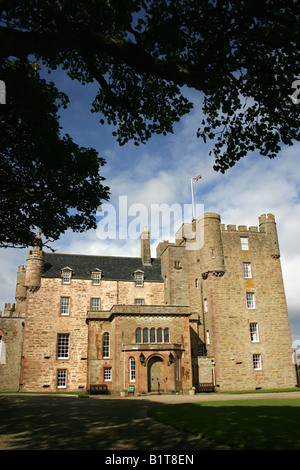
212,257
34,266
267,225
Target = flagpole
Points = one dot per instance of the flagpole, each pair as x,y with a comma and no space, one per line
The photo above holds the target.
193,205
192,189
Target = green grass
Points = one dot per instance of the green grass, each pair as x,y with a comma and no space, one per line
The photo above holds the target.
263,424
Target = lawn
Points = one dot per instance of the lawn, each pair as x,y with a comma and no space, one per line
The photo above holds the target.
263,424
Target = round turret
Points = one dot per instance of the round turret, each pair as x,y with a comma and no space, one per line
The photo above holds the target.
267,225
34,266
212,257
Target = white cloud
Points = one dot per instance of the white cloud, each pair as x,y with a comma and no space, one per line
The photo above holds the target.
160,173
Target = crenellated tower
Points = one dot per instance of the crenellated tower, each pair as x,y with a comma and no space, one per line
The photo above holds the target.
267,225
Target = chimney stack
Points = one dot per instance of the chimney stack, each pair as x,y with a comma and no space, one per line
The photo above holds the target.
145,246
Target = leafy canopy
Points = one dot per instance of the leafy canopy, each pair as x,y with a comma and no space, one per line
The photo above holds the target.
46,180
241,55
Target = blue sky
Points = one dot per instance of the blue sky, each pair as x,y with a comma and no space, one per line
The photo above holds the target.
160,172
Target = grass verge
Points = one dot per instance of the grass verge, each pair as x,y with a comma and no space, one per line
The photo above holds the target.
271,424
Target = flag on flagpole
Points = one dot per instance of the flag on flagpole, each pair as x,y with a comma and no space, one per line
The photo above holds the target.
197,178
193,202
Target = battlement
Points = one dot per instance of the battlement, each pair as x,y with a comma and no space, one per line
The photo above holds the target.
264,218
240,228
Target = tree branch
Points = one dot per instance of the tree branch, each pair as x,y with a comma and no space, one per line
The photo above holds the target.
22,43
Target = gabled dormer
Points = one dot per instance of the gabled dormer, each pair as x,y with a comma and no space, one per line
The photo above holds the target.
139,277
66,274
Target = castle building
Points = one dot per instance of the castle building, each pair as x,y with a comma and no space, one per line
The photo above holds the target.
208,312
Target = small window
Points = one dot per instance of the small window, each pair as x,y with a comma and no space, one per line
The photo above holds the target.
139,301
247,271
254,332
107,374
213,254
257,362
159,335
105,345
61,378
177,264
196,283
145,335
250,300
244,243
96,278
166,335
65,305
207,337
138,335
139,279
95,304
66,277
132,369
152,335
63,346
205,305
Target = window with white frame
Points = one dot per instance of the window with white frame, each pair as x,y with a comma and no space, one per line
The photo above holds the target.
63,343
105,345
66,277
257,362
132,369
139,279
65,305
95,304
96,278
139,301
247,271
107,374
61,378
250,300
254,332
207,337
244,243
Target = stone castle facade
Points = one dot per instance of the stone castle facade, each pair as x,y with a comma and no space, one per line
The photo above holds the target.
208,312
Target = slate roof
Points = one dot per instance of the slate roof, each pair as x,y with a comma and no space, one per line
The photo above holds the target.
112,267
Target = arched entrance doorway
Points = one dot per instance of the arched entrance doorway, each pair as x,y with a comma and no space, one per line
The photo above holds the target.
155,374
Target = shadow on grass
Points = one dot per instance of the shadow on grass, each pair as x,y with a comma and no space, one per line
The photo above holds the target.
70,423
246,425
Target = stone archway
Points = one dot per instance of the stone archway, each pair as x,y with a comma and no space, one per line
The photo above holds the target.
155,374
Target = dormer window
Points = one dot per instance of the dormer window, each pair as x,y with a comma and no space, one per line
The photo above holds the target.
139,278
96,277
66,274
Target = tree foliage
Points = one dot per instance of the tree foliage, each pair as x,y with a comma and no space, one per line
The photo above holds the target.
241,55
46,180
